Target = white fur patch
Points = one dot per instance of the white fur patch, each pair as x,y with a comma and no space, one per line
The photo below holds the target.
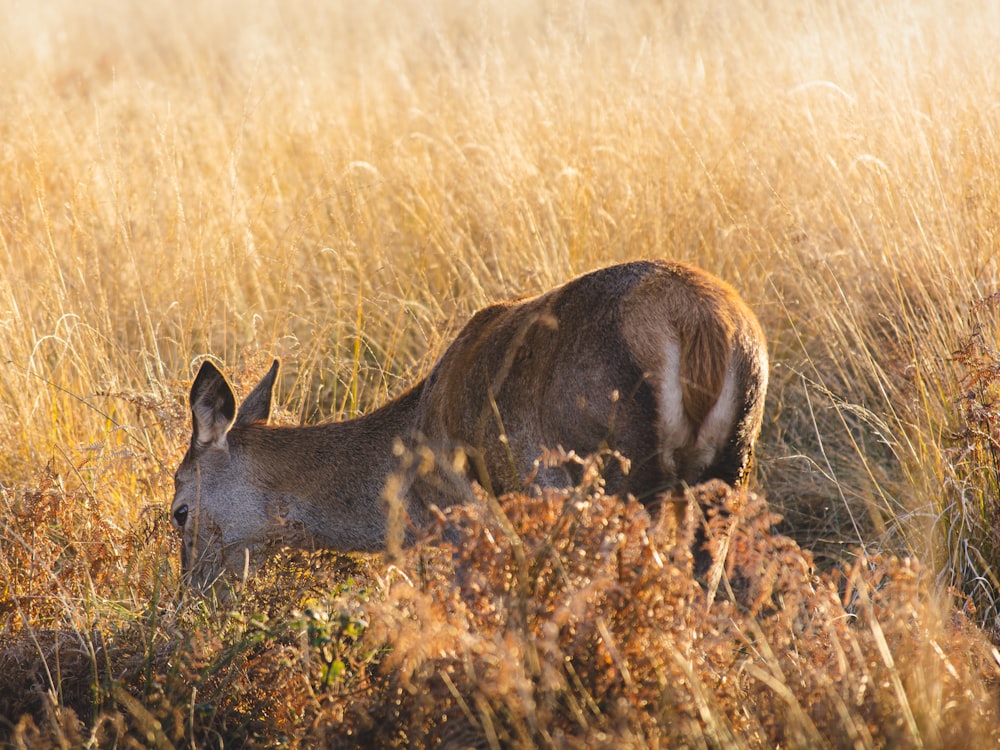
718,425
675,430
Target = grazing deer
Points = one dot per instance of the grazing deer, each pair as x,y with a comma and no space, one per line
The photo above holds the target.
659,361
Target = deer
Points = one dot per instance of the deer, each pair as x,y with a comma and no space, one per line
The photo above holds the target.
657,361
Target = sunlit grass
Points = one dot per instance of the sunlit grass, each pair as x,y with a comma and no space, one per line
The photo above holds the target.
342,185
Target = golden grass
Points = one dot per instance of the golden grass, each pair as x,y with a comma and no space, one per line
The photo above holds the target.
342,184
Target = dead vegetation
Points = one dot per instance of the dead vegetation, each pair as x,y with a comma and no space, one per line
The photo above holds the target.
568,619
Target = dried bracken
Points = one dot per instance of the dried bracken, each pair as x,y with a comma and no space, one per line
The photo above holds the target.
561,619
570,619
970,508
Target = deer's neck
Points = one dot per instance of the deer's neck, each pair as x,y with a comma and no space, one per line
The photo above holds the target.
330,478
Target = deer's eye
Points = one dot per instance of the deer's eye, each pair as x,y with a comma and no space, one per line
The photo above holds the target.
181,516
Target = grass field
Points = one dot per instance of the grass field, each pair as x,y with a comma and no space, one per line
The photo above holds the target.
342,184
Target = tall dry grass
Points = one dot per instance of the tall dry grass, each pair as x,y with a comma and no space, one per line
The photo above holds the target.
342,185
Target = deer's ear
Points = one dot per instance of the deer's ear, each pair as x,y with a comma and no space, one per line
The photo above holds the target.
257,406
213,407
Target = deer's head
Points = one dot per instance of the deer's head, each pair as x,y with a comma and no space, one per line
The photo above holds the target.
218,507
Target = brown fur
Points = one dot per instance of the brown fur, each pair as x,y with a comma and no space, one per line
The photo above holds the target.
633,358
708,315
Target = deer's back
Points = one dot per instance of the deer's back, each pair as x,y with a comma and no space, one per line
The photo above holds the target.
588,366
